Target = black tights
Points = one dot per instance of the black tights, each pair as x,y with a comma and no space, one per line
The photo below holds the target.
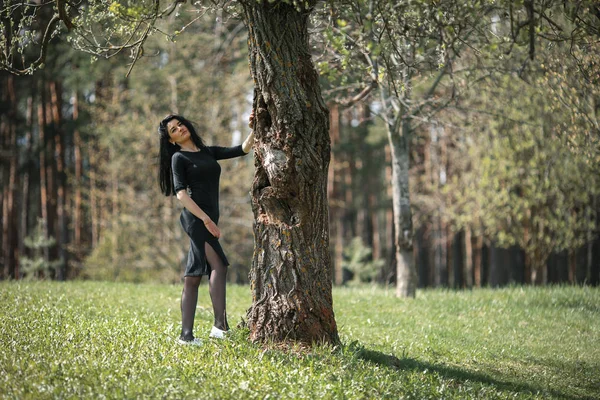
189,295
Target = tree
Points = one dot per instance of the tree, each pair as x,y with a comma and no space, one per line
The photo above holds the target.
531,155
406,51
291,278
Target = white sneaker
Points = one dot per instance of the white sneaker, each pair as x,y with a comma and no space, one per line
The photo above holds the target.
217,333
195,342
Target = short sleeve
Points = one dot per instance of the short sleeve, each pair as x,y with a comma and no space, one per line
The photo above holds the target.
179,175
223,153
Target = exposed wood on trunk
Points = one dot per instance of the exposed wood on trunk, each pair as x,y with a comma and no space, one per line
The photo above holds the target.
290,275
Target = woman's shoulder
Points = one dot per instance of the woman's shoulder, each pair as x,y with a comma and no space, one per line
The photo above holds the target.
179,159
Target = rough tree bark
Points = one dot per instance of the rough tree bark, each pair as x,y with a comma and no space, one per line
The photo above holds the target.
291,272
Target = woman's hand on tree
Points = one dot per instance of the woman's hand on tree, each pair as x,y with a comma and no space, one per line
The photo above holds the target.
251,120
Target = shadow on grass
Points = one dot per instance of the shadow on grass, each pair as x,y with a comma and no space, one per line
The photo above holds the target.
445,371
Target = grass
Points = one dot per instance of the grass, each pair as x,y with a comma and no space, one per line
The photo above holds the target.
109,340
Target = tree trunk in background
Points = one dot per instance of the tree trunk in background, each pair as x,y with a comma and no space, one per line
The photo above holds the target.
114,224
25,202
78,159
5,173
62,233
51,173
452,246
406,275
333,188
539,268
422,257
95,223
468,259
374,214
390,267
572,266
478,260
364,182
44,206
528,268
590,244
350,230
291,271
494,265
9,214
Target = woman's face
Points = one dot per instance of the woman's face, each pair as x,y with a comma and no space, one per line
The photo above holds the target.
178,133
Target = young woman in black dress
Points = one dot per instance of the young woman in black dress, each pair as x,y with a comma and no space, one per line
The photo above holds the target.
189,169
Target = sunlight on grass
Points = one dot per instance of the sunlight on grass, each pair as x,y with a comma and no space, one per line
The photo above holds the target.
93,339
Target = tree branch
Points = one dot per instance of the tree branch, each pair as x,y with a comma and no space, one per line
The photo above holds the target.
44,46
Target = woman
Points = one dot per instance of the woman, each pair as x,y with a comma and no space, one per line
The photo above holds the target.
189,169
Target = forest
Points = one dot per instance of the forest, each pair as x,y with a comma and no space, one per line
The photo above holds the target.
464,137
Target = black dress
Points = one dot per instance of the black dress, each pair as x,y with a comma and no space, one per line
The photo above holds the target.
199,173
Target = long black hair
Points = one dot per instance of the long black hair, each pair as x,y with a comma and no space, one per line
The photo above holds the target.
167,149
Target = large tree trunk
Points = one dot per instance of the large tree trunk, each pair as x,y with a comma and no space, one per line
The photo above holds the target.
291,271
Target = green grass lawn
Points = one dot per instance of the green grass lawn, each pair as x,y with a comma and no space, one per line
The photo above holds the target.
114,340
